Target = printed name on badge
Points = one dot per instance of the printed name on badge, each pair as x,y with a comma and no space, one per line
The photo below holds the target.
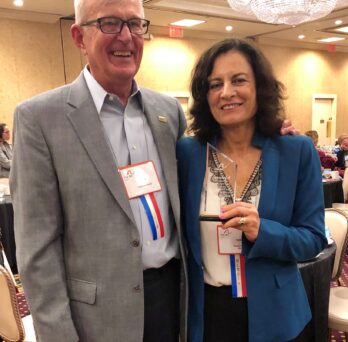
140,179
229,240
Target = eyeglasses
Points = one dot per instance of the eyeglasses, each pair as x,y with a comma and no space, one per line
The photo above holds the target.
112,25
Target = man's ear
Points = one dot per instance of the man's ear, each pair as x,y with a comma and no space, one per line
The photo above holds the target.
77,36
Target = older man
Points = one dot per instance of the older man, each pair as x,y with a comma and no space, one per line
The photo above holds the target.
95,197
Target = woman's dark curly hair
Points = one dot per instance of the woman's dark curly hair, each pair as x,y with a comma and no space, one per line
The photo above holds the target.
269,91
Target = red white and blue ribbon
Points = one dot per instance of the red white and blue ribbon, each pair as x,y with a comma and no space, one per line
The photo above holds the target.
237,262
153,214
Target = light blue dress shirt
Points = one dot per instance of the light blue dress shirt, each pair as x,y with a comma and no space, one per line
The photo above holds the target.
131,141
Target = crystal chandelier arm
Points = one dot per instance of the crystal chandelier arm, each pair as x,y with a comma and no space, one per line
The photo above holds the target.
290,12
241,6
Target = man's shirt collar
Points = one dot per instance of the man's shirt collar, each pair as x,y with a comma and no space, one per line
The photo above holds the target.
98,93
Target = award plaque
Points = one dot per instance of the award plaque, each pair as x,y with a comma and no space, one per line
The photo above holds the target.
226,168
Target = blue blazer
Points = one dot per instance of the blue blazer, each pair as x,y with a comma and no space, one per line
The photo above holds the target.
291,209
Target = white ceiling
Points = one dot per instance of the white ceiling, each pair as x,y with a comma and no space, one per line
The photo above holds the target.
216,13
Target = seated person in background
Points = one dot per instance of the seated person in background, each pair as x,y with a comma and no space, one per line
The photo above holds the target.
336,147
345,186
342,154
327,161
5,151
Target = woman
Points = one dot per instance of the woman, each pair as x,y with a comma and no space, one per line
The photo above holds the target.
342,154
326,161
5,151
237,107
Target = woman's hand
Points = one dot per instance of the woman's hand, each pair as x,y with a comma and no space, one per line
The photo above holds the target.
243,216
288,128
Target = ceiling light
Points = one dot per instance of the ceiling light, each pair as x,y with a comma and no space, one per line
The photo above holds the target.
338,22
187,22
18,3
330,39
343,29
301,36
229,28
290,12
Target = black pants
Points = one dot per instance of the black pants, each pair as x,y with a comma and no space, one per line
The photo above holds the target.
162,303
225,318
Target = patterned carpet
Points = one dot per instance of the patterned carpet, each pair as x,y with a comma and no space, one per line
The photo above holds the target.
338,336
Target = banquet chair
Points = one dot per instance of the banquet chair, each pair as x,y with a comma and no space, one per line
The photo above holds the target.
337,221
341,206
4,261
12,327
345,185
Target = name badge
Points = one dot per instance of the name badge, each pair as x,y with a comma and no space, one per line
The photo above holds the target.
140,179
229,240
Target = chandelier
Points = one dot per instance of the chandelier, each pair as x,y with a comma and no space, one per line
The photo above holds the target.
290,12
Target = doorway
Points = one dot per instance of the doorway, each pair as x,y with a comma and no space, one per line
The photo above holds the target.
324,107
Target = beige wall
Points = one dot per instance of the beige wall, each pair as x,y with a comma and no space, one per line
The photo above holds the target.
305,72
35,57
30,62
73,59
167,63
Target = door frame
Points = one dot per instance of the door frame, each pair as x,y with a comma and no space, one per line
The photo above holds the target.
332,97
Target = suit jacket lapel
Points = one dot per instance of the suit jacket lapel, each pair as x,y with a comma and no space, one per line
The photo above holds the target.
166,149
270,173
87,125
270,169
193,189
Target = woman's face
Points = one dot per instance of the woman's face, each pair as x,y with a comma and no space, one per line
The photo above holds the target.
6,134
232,90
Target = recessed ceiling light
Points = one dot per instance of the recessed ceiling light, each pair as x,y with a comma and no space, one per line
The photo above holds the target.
330,39
187,22
338,22
301,36
229,28
18,3
342,29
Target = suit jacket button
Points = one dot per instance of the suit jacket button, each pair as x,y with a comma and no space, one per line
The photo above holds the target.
135,243
137,288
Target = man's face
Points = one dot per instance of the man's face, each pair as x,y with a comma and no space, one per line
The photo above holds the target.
113,59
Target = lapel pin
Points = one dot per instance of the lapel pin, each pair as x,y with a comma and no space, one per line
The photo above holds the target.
162,119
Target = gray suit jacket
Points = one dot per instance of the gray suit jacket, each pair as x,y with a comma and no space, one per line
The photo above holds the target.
5,159
74,227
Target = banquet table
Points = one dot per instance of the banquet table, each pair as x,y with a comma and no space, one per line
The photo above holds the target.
333,192
7,232
316,276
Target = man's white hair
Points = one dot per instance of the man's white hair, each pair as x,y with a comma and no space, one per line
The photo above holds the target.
81,8
78,10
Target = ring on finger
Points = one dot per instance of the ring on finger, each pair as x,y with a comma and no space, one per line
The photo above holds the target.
242,221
